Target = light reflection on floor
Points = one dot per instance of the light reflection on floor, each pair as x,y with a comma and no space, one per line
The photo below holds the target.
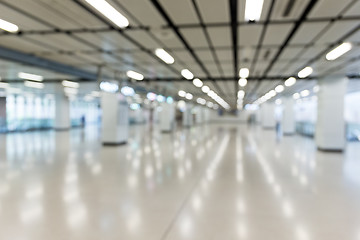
209,182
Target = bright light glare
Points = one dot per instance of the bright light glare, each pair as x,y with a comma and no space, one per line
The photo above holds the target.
244,72
4,85
109,12
187,74
7,26
182,93
305,72
189,96
70,84
109,87
165,56
291,81
279,88
29,76
305,93
135,75
34,84
338,51
296,96
205,89
197,82
242,82
253,9
127,91
241,94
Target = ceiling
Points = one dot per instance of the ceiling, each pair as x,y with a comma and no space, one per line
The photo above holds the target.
208,37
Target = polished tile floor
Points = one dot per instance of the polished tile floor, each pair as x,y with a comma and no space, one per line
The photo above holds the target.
209,182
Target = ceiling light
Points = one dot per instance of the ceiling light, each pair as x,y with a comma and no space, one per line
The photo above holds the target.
244,72
305,93
109,12
4,85
338,51
34,84
205,89
187,74
160,98
272,93
296,95
291,81
109,87
165,56
189,96
127,91
279,88
197,82
135,75
242,82
210,104
182,93
241,94
305,72
7,26
70,84
29,76
253,9
151,96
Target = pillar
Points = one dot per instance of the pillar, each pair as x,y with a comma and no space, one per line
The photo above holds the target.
330,125
288,120
187,115
199,115
268,115
167,117
115,119
62,111
3,126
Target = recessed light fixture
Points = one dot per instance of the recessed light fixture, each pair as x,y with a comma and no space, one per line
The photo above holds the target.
29,76
34,84
244,72
205,89
253,9
305,72
279,88
187,74
109,12
242,82
70,84
291,81
197,82
182,93
189,96
164,55
8,26
135,75
338,51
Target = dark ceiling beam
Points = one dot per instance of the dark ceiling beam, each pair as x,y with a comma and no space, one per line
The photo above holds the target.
28,59
297,25
234,38
223,79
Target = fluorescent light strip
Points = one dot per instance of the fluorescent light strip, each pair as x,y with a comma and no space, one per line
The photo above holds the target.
34,84
244,72
197,82
165,56
70,84
253,9
8,26
279,88
135,75
109,12
29,76
305,72
4,85
289,82
338,51
242,82
187,74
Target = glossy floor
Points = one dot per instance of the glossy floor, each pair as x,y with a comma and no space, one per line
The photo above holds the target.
209,182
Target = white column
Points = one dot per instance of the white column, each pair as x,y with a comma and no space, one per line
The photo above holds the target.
62,111
167,117
268,115
288,121
187,115
330,126
199,115
115,119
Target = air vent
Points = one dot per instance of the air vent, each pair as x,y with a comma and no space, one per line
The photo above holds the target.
289,7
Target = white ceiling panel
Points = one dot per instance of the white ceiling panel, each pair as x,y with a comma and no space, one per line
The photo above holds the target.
276,34
336,31
21,44
297,10
246,54
214,11
249,34
119,41
181,12
195,37
98,40
224,55
354,10
206,56
290,53
144,39
307,32
220,36
328,8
